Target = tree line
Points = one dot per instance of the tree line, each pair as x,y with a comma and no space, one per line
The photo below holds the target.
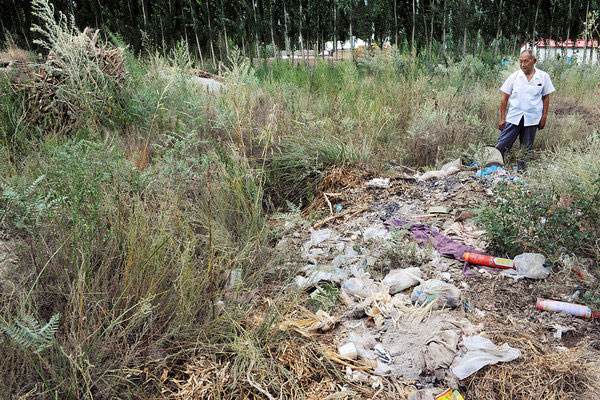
211,28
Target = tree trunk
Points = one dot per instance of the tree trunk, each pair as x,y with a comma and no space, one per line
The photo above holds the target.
196,33
426,38
537,9
276,53
444,34
498,30
585,37
255,29
414,25
301,38
335,30
431,4
464,46
396,21
224,30
210,37
568,31
287,35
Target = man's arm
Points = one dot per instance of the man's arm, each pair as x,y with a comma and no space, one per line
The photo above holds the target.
503,104
545,102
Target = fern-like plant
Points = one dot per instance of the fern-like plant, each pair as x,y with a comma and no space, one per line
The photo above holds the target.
30,334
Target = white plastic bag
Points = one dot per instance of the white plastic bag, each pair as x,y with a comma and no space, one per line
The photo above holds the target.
362,287
528,265
398,280
481,352
447,295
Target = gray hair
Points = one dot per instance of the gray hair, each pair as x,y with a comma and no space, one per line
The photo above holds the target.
530,51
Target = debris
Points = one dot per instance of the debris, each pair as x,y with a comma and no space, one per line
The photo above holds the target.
446,247
489,156
374,232
356,376
562,329
382,369
441,349
380,183
318,236
423,394
467,233
438,210
398,280
382,355
362,287
488,261
481,352
310,323
317,273
450,166
235,278
577,310
338,208
528,265
450,395
348,350
464,215
444,294
488,171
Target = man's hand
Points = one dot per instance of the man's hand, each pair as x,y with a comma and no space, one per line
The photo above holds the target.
542,123
502,125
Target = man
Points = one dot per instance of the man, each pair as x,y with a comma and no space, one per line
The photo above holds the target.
529,93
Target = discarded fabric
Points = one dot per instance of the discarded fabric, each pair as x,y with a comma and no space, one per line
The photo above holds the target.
446,247
481,352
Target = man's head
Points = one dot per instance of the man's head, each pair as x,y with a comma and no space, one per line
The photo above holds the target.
527,61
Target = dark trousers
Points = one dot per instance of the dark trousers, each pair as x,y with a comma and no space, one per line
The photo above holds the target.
510,132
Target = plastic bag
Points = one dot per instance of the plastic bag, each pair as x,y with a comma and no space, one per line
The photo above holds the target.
528,265
401,279
447,294
481,352
362,287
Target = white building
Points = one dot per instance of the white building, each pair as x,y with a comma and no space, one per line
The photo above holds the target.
569,49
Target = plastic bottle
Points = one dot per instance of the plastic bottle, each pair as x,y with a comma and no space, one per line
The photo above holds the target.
489,261
577,310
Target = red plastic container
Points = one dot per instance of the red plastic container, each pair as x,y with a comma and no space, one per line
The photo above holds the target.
489,261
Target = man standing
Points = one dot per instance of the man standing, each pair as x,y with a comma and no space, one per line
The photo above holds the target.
528,91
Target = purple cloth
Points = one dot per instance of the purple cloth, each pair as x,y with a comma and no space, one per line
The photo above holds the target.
447,247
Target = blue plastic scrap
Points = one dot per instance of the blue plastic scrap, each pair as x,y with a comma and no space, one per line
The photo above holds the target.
488,170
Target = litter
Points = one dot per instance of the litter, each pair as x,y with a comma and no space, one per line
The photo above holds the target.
562,329
317,273
489,156
489,170
374,232
382,355
441,349
348,351
235,278
481,352
444,294
577,310
438,210
380,183
488,261
362,287
446,247
450,395
398,280
318,236
528,265
310,324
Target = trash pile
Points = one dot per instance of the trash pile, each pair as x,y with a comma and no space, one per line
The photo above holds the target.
441,313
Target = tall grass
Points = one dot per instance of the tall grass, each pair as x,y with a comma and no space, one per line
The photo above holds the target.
139,218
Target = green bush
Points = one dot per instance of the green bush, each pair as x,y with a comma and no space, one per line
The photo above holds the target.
540,219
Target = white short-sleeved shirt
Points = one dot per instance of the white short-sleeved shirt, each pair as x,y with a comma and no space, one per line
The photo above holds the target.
526,97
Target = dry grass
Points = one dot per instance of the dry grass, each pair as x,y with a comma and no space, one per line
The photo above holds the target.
567,374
